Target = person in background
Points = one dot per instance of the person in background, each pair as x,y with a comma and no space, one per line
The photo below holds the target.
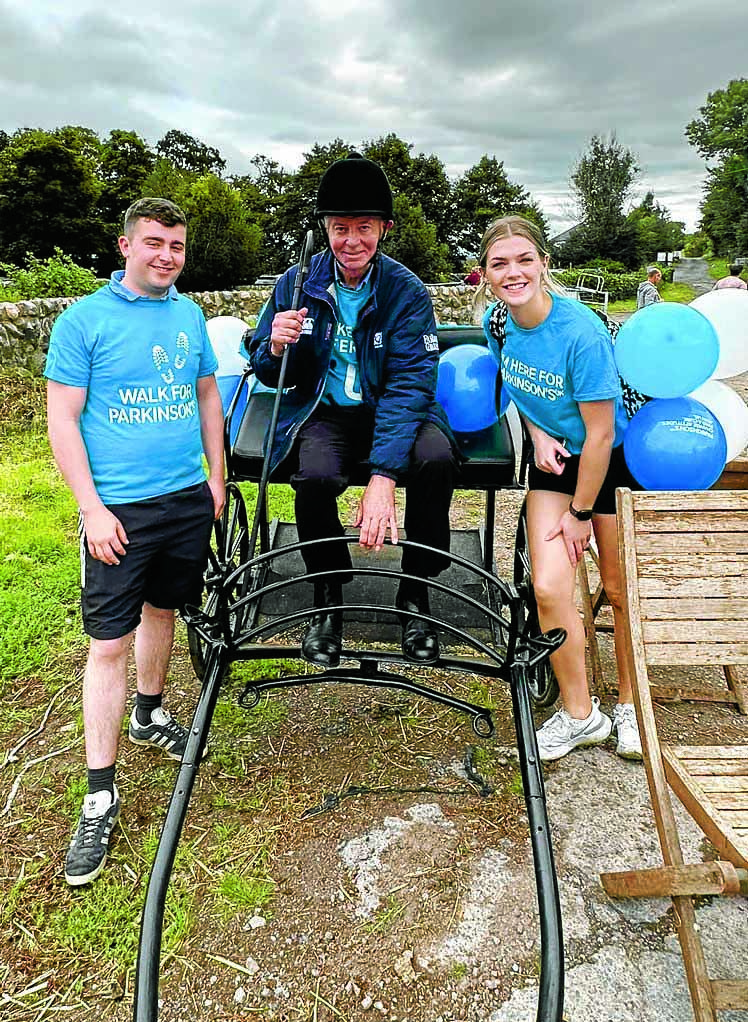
474,277
733,280
647,293
360,385
556,361
132,407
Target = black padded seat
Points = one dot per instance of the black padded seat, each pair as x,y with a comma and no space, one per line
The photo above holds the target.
490,455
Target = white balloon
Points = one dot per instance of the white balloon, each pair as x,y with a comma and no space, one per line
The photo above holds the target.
727,311
730,410
225,333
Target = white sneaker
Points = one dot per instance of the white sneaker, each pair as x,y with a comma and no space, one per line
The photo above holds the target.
562,733
625,725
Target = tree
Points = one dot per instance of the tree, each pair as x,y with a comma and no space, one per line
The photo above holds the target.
722,132
263,196
223,247
602,180
48,199
657,232
414,243
722,129
125,163
422,178
188,153
483,193
724,210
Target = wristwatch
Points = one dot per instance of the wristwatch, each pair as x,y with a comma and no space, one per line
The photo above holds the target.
582,516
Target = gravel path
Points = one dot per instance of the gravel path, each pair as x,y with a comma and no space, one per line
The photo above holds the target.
694,272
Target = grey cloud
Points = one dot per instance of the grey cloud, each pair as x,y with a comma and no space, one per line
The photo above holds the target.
527,83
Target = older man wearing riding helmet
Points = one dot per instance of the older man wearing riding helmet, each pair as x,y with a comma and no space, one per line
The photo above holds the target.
360,386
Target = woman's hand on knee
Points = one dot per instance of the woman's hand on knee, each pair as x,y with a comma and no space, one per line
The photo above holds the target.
575,534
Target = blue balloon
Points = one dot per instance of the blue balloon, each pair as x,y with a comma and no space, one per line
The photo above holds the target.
675,444
664,350
466,387
227,388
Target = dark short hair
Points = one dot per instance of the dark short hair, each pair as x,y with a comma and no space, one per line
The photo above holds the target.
162,210
735,269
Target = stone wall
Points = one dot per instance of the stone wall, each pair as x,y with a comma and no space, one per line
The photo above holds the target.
25,326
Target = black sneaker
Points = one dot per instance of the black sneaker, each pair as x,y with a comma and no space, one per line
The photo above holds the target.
163,733
90,843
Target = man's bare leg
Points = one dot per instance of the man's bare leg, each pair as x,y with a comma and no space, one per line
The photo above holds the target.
104,696
154,638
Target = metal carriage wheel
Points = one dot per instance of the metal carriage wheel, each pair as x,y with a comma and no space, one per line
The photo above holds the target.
229,550
541,680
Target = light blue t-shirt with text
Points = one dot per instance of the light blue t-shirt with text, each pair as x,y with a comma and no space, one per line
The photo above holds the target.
553,367
139,360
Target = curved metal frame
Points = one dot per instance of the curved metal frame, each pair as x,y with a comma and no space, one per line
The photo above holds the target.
229,628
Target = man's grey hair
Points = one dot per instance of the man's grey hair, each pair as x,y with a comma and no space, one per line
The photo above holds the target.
651,270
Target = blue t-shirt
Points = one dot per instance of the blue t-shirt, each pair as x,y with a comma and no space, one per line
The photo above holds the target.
139,360
552,368
342,383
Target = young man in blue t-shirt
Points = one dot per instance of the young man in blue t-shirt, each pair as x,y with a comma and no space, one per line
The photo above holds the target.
132,406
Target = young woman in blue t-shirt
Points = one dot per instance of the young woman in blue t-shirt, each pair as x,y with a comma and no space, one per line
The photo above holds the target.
557,365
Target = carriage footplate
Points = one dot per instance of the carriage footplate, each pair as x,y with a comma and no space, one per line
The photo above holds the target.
379,624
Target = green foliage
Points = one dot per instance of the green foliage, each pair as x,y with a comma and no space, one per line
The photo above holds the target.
618,285
55,277
413,242
657,232
602,180
722,132
722,128
187,153
483,193
39,570
223,247
724,211
696,245
48,195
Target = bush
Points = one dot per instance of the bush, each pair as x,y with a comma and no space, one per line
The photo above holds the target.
55,277
618,285
606,265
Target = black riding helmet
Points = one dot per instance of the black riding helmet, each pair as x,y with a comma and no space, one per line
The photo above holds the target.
354,186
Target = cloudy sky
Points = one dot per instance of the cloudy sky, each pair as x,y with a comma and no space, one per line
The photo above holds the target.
528,82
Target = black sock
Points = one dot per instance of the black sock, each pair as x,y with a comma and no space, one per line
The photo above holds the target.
101,779
144,705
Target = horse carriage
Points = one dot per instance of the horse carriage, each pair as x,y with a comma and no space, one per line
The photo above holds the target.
257,595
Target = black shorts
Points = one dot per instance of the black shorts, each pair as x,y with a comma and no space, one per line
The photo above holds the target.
166,556
617,475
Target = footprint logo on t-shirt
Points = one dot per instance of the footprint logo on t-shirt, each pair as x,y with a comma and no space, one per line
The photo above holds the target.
162,363
161,359
183,350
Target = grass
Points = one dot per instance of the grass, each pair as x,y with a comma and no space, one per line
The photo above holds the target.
682,293
39,573
265,767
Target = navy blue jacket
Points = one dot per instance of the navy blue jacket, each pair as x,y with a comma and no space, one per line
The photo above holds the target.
396,347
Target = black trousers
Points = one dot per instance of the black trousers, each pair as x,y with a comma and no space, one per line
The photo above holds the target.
329,445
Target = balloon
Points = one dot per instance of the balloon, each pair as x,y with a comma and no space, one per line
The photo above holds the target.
730,410
225,333
466,387
727,311
675,444
666,350
226,387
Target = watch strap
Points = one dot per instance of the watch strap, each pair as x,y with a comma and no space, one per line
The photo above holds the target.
582,516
